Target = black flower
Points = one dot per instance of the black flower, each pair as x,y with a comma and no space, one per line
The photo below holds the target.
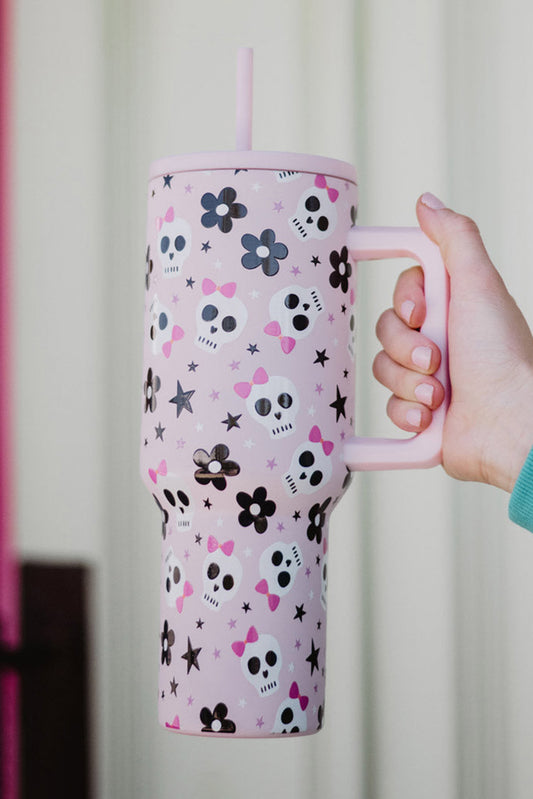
167,640
263,251
215,466
151,385
216,721
342,269
255,509
317,516
222,210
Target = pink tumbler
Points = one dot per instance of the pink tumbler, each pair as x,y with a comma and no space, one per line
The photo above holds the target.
247,420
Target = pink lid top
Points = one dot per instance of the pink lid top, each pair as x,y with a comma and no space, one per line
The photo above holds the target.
253,159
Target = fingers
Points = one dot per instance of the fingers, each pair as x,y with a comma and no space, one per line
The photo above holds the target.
409,300
406,346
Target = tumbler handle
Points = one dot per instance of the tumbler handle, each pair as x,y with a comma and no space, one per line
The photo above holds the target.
424,449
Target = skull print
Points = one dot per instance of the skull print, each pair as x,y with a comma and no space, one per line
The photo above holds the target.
220,316
173,242
311,466
222,573
316,215
260,661
293,313
177,588
278,566
291,716
273,402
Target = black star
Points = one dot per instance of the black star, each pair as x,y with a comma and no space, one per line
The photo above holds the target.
246,607
153,192
296,515
318,560
252,348
159,431
321,357
300,612
318,624
191,656
182,399
240,170
343,308
345,373
314,260
313,658
167,179
198,539
339,404
207,504
200,624
231,421
145,442
206,246
173,686
190,282
192,366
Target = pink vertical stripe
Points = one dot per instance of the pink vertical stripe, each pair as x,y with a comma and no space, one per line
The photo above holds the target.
9,576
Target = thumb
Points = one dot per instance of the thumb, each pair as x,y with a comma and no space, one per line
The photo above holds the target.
460,243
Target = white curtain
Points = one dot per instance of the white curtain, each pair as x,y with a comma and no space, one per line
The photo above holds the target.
430,647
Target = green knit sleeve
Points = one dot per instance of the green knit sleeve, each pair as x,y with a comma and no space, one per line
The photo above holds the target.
521,502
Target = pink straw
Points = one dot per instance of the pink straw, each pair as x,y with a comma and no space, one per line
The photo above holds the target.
245,69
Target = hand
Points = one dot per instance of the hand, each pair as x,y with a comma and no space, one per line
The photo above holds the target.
488,430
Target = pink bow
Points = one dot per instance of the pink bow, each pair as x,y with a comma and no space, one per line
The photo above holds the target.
226,547
316,436
169,217
177,334
259,379
187,591
287,343
273,599
320,183
174,725
239,646
227,290
161,469
294,693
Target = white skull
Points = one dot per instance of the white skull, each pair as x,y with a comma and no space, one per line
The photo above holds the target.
278,565
274,405
222,574
183,505
310,469
316,215
173,242
161,325
176,586
261,664
296,310
291,716
324,576
219,319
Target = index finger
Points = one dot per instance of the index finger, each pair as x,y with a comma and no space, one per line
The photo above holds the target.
409,300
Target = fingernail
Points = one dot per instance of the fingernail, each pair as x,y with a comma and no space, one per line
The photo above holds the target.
414,417
421,357
431,201
406,310
424,393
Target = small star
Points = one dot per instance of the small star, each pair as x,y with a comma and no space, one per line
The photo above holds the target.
296,515
260,722
298,644
318,560
188,188
321,357
182,399
191,656
205,246
190,282
175,299
319,388
235,365
232,623
311,410
246,607
173,686
249,443
198,539
231,421
343,308
300,612
187,554
192,366
346,373
180,444
199,427
190,700
242,703
145,442
218,264
200,624
159,431
278,207
271,464
318,624
167,179
291,668
314,260
296,270
331,318
281,527
208,504
308,572
338,405
257,187
216,654
252,348
254,294
162,694
247,552
313,658
153,192
214,395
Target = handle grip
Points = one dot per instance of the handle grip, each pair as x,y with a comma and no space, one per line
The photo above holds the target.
424,449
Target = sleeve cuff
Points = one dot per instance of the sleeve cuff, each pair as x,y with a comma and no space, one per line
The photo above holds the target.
521,502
